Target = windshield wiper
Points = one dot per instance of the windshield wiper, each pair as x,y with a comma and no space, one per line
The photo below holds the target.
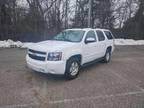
68,40
62,40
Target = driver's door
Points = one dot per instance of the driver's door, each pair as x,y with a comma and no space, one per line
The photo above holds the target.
89,48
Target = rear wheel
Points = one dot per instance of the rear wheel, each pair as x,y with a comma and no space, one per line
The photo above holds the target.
107,57
72,68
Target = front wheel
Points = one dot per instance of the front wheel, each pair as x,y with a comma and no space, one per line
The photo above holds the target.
72,68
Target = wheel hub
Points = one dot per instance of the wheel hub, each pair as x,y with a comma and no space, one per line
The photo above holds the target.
74,68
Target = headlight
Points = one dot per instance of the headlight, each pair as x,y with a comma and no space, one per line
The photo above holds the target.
54,56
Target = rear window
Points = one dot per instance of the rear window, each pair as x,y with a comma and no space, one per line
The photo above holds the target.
108,34
100,35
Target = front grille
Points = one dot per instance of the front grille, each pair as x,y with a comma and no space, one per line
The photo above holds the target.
38,52
37,55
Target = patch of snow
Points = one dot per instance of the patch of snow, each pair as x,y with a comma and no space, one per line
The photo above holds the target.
11,44
128,42
26,44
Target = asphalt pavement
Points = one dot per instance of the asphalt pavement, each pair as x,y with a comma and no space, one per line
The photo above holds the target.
118,84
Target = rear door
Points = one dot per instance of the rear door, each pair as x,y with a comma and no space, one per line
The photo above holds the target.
110,38
101,43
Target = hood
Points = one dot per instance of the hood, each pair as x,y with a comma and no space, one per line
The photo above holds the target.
51,45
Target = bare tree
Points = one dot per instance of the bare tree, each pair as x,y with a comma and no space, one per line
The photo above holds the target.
123,10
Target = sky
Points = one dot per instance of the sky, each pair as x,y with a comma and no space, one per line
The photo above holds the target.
22,3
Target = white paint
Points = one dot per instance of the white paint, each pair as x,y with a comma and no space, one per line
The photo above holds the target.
18,106
76,99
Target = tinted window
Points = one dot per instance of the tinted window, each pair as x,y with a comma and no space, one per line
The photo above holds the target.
91,34
100,35
108,34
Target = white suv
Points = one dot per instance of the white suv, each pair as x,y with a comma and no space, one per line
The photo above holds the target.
70,50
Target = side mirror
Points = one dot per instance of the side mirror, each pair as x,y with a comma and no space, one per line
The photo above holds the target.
89,40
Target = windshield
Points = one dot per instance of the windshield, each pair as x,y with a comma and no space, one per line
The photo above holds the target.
70,36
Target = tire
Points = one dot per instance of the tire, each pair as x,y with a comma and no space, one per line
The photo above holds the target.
107,57
72,68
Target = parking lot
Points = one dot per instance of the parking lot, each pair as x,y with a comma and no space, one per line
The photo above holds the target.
119,84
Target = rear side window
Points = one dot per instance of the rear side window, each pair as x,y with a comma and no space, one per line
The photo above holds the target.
100,35
108,34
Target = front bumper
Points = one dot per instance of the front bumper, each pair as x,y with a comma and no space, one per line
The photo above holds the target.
52,67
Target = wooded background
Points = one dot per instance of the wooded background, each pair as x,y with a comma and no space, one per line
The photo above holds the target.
36,20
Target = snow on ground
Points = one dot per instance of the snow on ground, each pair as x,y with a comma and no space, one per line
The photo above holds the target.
128,42
11,44
26,44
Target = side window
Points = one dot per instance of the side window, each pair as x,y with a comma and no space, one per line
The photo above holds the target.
91,34
100,35
108,34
